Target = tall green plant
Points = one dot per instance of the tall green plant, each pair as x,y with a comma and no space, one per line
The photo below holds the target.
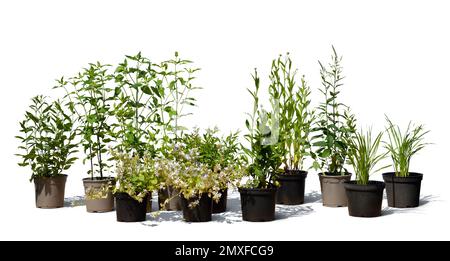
174,87
137,108
363,155
90,97
402,146
48,139
295,116
266,151
334,123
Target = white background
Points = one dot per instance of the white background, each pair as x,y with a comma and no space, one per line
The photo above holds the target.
396,61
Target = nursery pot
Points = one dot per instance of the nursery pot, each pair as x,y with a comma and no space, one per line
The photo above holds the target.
292,187
258,204
221,206
49,191
172,193
202,212
101,204
364,200
130,210
403,192
333,191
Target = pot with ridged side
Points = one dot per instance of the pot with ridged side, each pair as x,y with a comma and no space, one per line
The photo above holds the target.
292,187
333,191
364,200
403,192
258,204
49,191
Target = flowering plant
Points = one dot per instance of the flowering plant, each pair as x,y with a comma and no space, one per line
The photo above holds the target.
136,175
201,164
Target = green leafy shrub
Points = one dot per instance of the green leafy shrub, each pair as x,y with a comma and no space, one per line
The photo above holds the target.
48,138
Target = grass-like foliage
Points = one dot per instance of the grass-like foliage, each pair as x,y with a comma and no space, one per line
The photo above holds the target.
363,155
403,145
296,117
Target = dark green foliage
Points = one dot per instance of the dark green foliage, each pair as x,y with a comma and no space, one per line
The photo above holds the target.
266,150
48,138
90,96
334,123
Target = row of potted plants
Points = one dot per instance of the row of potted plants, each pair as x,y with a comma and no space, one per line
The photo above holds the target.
127,120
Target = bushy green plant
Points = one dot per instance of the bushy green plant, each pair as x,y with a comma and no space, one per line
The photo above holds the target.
90,96
48,138
136,175
266,151
220,154
334,123
184,172
363,155
402,146
137,108
295,118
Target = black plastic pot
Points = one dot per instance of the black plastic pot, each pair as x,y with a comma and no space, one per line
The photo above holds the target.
170,193
364,200
292,187
258,204
403,192
130,210
221,206
201,212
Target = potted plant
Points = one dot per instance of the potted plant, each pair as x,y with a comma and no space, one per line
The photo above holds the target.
402,186
221,155
90,96
136,110
136,179
333,126
364,196
295,124
196,183
264,157
174,87
48,142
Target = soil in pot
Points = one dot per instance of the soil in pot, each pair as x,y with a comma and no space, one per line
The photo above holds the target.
171,193
130,210
202,212
292,187
258,204
49,191
364,200
221,206
403,192
333,191
98,195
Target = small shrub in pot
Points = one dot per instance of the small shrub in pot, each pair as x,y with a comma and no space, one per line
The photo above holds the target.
334,124
296,120
264,156
136,179
403,186
90,96
364,196
47,144
195,182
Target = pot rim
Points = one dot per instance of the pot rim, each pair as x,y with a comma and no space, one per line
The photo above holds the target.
374,185
98,179
321,175
412,175
257,190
